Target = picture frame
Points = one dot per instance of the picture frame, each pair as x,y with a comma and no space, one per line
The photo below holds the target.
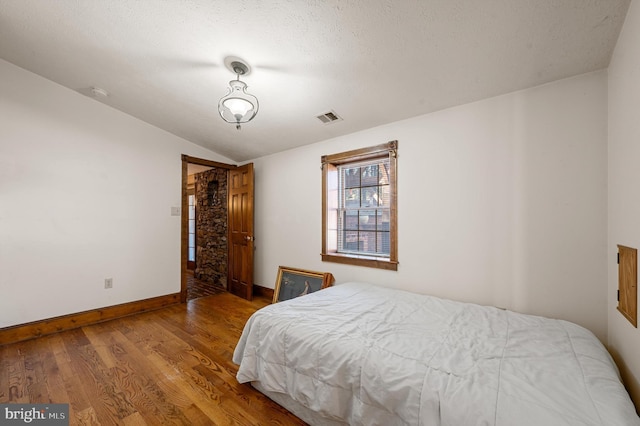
295,282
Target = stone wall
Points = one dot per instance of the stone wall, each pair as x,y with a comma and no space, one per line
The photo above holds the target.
211,226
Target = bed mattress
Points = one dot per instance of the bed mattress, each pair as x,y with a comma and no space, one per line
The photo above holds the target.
369,355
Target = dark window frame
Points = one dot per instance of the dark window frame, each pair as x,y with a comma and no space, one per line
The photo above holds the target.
330,165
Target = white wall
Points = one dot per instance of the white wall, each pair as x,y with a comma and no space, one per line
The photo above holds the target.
85,194
624,179
501,202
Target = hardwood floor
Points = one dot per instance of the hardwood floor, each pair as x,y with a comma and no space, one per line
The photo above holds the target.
169,366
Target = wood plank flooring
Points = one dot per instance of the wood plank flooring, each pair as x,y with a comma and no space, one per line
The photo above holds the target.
171,366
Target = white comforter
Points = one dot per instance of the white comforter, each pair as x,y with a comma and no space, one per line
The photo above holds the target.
370,355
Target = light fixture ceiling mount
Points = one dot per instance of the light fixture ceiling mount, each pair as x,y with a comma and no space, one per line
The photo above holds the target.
238,106
239,68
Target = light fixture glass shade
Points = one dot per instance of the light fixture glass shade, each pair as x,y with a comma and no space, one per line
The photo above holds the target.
238,106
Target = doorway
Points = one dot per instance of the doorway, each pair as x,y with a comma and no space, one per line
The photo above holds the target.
210,212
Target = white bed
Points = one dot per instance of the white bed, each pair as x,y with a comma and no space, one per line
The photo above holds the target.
367,355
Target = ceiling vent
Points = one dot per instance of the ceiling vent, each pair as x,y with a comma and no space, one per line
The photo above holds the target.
329,117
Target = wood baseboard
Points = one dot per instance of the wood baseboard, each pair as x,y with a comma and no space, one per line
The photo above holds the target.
263,291
18,333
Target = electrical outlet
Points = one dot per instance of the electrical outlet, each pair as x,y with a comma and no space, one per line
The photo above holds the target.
108,283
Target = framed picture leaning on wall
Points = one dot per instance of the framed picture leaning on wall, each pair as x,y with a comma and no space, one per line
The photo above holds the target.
294,282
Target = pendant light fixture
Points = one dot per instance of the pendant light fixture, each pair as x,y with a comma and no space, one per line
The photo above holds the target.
238,106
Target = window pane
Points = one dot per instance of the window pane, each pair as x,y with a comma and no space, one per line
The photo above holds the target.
192,226
363,219
370,175
384,173
384,246
350,220
350,241
352,197
384,196
192,240
383,220
367,242
351,177
367,220
370,196
192,254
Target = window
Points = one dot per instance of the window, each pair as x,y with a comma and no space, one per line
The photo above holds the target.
359,207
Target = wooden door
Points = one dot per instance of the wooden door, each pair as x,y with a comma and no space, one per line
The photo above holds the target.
241,231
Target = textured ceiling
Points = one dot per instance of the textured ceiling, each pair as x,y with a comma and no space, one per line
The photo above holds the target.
372,62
